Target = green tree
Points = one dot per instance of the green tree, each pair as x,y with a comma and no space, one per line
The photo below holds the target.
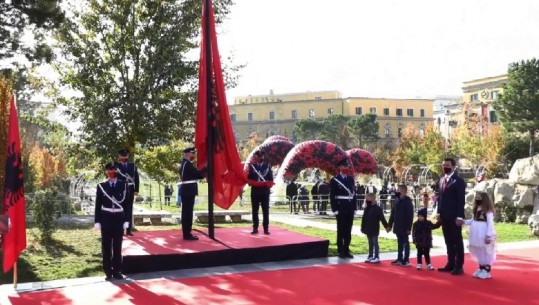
364,128
518,105
307,129
128,62
336,130
161,163
19,16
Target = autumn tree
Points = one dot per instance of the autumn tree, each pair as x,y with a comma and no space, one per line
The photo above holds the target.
252,142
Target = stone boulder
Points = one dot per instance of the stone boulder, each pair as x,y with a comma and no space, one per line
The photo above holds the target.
533,223
487,186
525,171
511,194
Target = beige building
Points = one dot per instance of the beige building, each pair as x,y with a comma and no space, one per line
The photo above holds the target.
277,113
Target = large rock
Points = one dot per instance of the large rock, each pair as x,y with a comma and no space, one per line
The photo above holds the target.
510,194
525,171
533,223
487,186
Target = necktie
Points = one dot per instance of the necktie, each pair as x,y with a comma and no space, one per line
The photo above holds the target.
444,184
112,185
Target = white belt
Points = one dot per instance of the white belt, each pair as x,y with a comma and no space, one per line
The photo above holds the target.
187,182
344,197
112,210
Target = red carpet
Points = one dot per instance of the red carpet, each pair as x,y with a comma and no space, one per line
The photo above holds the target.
515,281
170,242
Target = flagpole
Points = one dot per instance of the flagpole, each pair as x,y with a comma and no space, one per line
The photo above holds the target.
211,116
15,277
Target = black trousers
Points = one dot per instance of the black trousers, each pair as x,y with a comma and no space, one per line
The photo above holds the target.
167,200
188,203
344,232
258,201
111,242
128,208
454,243
423,252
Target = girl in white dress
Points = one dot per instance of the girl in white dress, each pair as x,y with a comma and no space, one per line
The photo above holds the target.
482,235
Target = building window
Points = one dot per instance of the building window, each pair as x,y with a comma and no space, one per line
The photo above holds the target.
311,113
318,98
372,110
249,116
422,113
272,115
474,97
359,111
331,111
399,112
294,114
399,132
492,117
386,111
387,131
409,112
494,95
233,117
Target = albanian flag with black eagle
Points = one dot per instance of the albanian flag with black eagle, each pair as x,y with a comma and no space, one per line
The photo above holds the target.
13,242
228,175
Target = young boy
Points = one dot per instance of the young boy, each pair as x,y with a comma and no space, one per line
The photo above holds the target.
370,226
400,220
422,237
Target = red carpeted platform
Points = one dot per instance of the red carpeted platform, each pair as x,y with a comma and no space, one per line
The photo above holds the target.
165,250
515,281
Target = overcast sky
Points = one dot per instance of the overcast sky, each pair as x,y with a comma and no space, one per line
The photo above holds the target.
376,48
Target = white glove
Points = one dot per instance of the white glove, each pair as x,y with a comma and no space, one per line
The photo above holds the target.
126,225
97,226
336,213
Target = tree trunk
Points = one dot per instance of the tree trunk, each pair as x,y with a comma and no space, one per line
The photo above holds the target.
532,143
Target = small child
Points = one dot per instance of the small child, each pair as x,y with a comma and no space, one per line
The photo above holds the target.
401,220
370,226
482,236
422,238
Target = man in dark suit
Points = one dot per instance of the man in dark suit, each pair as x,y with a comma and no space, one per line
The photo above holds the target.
343,204
128,172
323,196
168,194
189,190
451,201
292,195
260,177
111,219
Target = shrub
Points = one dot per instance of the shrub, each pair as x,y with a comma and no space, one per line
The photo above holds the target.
45,211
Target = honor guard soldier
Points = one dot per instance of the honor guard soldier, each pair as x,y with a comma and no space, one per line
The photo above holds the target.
343,205
128,172
189,189
111,219
260,178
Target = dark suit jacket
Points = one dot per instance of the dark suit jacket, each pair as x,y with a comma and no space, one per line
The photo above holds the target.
451,200
131,170
402,215
343,206
118,193
188,172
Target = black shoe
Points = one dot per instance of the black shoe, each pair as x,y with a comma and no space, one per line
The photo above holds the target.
348,255
396,262
457,271
267,232
118,276
108,278
343,256
255,231
190,237
445,269
129,233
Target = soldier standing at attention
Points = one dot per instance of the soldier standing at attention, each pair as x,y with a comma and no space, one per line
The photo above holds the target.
189,190
128,172
111,220
260,178
343,205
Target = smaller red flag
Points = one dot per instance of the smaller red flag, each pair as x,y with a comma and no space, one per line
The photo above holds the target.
13,242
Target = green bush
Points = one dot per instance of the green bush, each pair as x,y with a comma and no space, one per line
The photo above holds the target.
45,211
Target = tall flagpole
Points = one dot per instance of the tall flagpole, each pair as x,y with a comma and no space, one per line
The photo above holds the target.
211,116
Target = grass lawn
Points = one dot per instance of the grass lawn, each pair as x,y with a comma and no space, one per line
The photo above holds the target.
507,232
